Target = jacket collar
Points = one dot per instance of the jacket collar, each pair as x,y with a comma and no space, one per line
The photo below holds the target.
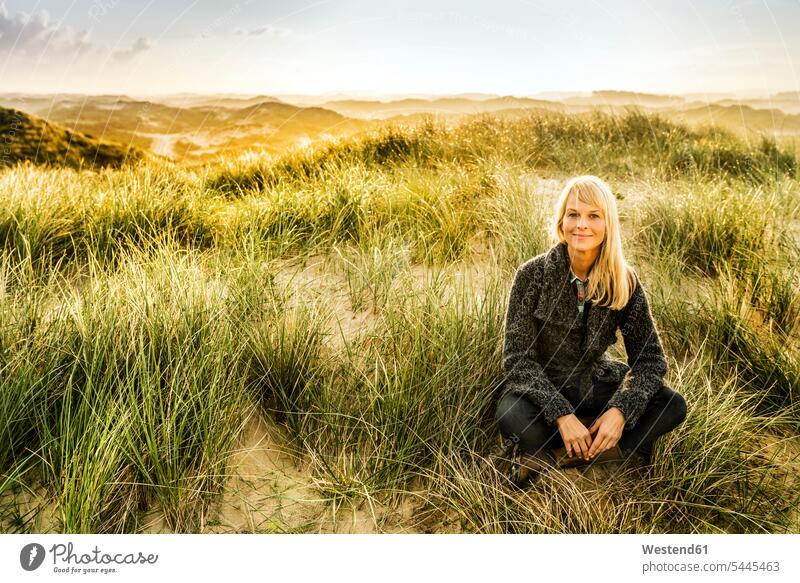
556,299
561,255
560,299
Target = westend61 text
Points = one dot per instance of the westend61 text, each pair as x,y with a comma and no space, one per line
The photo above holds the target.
673,550
65,554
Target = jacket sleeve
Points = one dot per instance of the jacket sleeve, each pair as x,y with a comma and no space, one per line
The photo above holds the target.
523,374
646,359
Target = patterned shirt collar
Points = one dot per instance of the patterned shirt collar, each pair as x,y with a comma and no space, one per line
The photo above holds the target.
580,286
573,277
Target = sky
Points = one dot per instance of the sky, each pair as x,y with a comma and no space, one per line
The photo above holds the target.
365,47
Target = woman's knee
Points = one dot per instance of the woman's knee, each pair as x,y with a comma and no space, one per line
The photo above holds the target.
521,422
674,405
511,414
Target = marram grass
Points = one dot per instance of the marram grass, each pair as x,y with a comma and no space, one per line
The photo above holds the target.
147,312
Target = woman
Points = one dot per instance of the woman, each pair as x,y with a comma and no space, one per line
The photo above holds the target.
564,310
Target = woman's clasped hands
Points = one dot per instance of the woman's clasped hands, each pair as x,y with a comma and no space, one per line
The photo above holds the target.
578,441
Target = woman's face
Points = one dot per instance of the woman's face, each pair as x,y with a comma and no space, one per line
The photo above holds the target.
584,225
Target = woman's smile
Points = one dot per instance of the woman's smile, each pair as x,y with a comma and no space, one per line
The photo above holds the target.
585,224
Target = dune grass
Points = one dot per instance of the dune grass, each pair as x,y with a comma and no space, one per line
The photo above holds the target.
146,314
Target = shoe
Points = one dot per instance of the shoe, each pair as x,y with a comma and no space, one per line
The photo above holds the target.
614,454
564,461
529,467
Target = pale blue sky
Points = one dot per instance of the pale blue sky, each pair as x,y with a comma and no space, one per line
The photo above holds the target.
504,47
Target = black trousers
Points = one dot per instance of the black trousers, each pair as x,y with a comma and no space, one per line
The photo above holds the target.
520,420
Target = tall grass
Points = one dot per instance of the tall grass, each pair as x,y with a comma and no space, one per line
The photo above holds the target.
726,325
55,217
143,367
625,145
711,225
426,182
417,384
146,312
371,268
514,219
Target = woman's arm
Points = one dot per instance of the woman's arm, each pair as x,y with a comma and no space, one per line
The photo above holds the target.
523,374
646,359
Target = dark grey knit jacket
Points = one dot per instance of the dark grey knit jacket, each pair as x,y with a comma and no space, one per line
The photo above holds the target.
547,347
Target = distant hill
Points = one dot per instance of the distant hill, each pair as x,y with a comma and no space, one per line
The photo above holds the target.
452,119
196,133
787,95
199,128
739,118
781,101
230,101
626,98
442,106
24,137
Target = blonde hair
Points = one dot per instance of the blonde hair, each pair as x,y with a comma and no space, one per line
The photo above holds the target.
612,280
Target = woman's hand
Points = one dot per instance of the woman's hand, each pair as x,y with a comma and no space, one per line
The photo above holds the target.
575,436
608,428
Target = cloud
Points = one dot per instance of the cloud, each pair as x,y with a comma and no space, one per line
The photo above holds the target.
34,35
269,30
139,46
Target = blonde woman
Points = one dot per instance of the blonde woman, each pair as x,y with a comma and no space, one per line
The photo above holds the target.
564,311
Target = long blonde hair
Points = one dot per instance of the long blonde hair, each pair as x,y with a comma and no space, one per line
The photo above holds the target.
612,279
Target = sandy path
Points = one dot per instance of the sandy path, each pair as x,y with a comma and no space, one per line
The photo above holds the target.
271,492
